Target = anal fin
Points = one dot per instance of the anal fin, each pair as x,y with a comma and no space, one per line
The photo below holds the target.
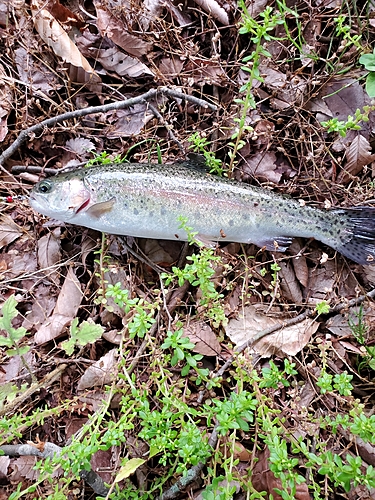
276,244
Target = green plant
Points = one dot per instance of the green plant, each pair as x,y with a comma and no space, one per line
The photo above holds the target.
200,144
181,347
14,335
322,307
359,329
344,30
143,312
352,123
86,333
272,376
260,32
104,158
199,272
368,61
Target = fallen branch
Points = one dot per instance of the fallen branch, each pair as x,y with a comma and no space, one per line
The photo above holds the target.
78,113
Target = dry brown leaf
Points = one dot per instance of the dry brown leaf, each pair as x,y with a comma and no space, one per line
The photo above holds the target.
265,166
4,464
289,284
42,306
113,59
358,155
37,75
263,479
127,122
6,99
54,35
289,340
203,337
65,311
204,71
113,27
101,372
299,262
49,254
9,230
171,67
24,468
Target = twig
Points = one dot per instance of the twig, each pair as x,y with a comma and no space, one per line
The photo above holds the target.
78,113
169,130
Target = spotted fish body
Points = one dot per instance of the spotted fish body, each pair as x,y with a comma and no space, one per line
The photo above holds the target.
146,200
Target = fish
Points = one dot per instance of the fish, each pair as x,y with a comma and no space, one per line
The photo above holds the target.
150,200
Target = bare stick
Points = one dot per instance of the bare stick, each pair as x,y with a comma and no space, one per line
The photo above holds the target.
35,129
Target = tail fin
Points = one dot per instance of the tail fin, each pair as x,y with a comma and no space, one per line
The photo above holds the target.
358,239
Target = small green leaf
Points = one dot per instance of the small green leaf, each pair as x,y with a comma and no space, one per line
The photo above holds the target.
370,84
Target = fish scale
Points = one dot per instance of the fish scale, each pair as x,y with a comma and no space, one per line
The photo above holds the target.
147,200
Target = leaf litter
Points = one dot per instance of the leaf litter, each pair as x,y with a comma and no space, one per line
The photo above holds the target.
77,57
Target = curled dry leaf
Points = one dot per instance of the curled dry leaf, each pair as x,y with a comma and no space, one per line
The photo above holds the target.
203,337
54,35
101,372
216,11
289,340
9,230
65,310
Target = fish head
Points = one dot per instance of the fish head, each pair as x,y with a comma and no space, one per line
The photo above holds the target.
60,197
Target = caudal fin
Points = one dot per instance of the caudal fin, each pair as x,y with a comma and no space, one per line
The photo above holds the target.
358,237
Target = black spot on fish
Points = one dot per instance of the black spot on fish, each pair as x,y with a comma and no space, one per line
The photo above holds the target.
163,211
256,204
135,211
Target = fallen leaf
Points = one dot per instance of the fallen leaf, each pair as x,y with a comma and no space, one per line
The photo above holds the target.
9,231
129,468
101,372
112,26
65,311
358,154
203,337
263,479
289,284
113,59
49,254
290,340
54,35
6,98
266,166
36,75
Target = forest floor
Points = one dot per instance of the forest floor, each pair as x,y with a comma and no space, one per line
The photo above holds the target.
141,368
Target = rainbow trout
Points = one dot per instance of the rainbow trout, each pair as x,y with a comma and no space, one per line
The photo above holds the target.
146,200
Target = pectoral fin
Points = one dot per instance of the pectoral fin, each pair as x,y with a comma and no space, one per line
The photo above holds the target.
98,209
276,244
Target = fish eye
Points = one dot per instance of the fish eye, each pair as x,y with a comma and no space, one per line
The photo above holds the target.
44,187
